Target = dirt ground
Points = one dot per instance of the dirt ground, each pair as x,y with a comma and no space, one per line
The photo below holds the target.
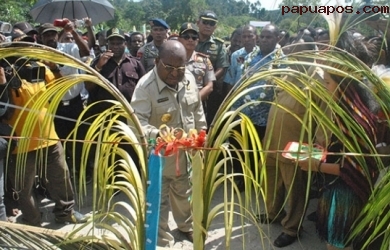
247,237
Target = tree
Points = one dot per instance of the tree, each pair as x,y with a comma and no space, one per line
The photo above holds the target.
152,9
178,12
135,13
15,11
288,24
300,3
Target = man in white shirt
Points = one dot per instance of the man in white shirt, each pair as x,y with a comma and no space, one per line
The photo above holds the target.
72,102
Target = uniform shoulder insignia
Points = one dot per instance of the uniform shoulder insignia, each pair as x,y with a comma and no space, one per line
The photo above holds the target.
201,54
219,39
150,44
140,54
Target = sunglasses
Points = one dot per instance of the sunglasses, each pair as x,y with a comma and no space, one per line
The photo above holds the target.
171,68
188,37
208,22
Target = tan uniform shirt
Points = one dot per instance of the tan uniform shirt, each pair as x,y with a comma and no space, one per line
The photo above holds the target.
283,123
154,102
202,69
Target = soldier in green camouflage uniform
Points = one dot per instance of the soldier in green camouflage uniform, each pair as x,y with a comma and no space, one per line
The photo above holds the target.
216,50
149,51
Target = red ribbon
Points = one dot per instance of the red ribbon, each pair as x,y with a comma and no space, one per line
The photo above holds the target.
194,141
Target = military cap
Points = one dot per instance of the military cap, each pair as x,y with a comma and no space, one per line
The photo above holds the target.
19,36
158,22
208,15
25,27
115,32
47,27
186,27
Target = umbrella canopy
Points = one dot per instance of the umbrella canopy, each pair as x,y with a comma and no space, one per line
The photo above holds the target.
45,11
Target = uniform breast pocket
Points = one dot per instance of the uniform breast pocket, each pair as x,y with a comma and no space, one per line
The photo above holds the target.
192,103
127,86
153,53
167,113
132,75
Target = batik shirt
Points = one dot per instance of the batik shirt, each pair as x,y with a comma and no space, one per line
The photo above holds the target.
262,97
234,71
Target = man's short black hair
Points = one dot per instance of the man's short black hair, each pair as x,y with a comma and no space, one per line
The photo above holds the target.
149,38
324,32
135,33
286,34
102,32
308,31
308,39
237,31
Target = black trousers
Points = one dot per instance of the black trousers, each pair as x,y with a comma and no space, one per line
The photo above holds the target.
54,175
89,117
65,122
237,168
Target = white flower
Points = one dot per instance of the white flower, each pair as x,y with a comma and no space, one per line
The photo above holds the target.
262,95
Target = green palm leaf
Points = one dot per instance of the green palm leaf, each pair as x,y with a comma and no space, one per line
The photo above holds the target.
130,232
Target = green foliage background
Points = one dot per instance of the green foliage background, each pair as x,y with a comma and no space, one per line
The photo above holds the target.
232,13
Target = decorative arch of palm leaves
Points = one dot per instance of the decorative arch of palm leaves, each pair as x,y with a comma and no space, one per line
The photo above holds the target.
210,165
105,131
375,219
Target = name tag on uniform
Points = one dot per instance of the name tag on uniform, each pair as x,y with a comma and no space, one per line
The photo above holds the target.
162,100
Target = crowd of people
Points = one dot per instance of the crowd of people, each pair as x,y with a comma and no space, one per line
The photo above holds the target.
181,80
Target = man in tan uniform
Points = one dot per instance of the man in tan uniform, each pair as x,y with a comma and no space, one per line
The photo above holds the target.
149,52
168,94
286,183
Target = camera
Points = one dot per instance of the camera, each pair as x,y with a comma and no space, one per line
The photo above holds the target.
79,23
60,22
28,70
5,27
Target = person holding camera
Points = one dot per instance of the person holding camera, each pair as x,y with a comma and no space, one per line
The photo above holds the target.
25,81
5,30
2,38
